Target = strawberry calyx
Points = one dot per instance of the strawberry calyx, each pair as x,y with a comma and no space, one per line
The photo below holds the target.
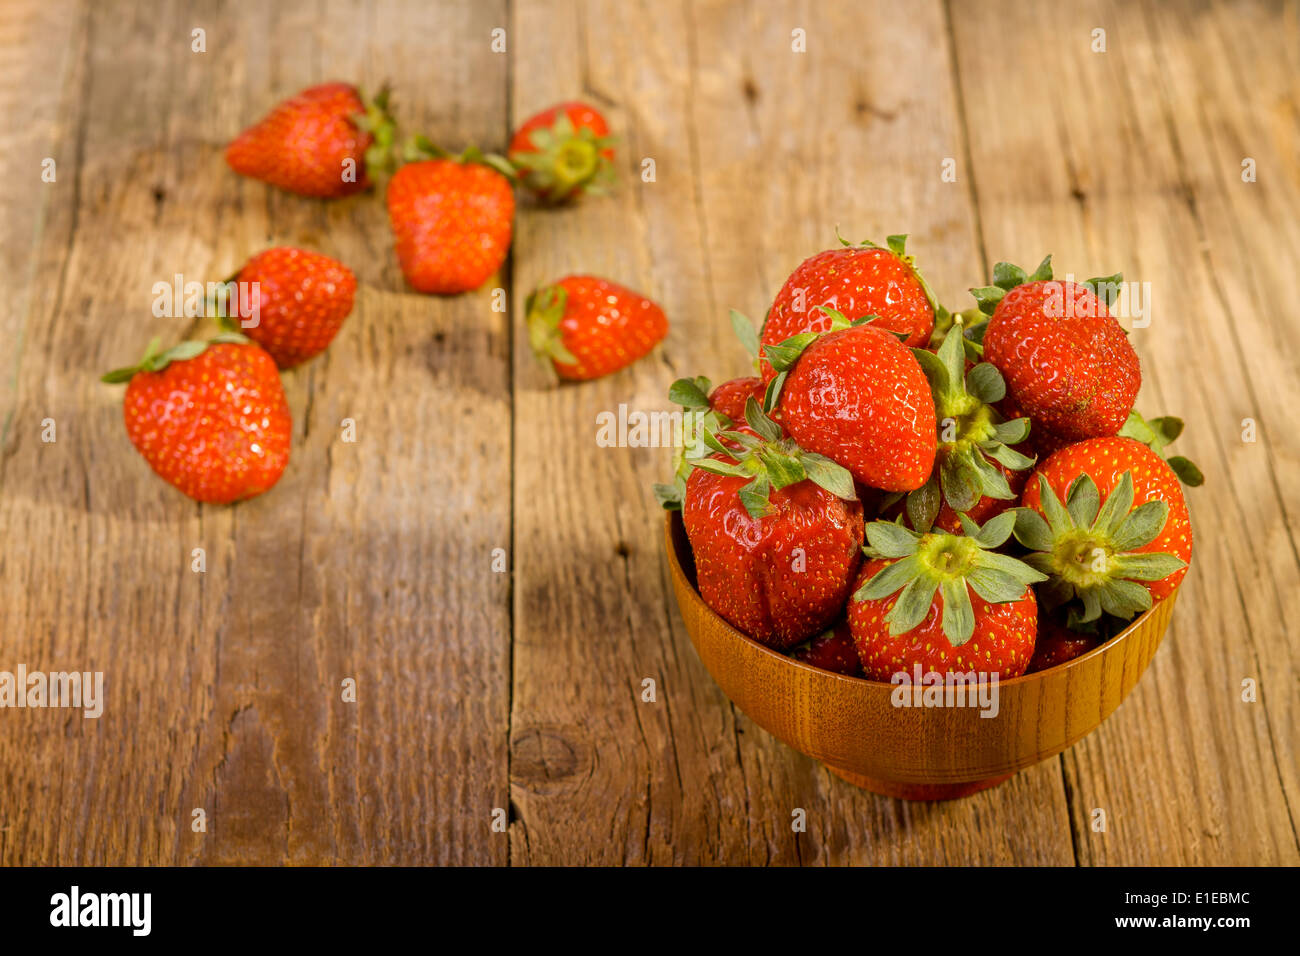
544,310
785,354
420,147
1007,276
155,359
770,461
692,394
1156,433
954,565
972,436
565,161
1088,548
379,123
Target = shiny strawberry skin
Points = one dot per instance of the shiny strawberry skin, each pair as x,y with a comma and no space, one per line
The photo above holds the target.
1003,641
301,144
746,567
580,115
730,397
857,282
859,397
1105,460
831,650
302,299
1075,373
452,223
216,426
606,327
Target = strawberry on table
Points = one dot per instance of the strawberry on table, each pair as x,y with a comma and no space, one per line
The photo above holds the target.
949,603
858,396
1066,361
776,533
452,219
300,302
210,418
1106,520
831,650
588,327
323,142
856,281
563,152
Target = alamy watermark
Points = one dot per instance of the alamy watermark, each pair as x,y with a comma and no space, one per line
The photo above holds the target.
640,429
952,689
75,689
180,299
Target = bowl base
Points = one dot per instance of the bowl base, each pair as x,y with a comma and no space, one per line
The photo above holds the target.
918,791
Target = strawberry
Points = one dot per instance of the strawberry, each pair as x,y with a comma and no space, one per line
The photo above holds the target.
775,531
300,300
563,152
976,470
831,650
323,142
858,396
729,398
1123,537
963,607
209,417
856,281
1057,644
452,220
589,327
1066,361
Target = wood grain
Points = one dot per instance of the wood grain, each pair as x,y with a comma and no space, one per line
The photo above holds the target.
370,560
522,691
1132,160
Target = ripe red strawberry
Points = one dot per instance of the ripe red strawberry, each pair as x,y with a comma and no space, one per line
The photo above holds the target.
858,396
831,650
452,221
729,398
589,327
856,281
1066,361
563,152
775,532
209,417
1122,537
297,304
976,471
1057,644
323,142
962,608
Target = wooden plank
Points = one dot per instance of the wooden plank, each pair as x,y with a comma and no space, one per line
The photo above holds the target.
760,153
369,560
1131,159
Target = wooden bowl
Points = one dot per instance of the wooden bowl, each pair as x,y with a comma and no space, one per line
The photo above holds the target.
915,753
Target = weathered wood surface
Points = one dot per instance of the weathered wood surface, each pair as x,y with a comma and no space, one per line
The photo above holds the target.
373,560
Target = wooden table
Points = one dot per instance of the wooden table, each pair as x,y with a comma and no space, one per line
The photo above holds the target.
515,698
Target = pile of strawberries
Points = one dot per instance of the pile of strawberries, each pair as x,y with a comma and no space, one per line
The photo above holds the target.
211,418
899,486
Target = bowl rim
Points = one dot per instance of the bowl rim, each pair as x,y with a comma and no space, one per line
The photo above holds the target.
673,519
